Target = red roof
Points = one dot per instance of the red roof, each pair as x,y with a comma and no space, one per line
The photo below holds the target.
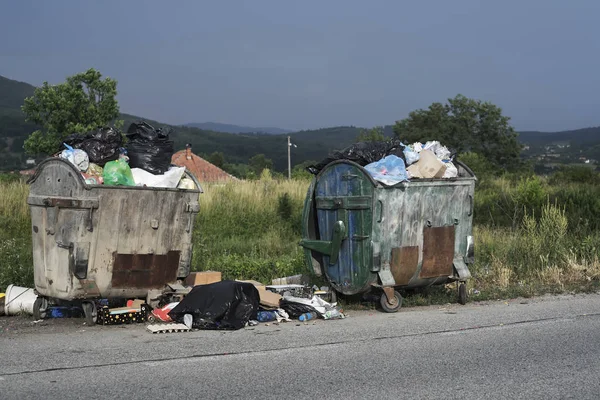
202,169
27,171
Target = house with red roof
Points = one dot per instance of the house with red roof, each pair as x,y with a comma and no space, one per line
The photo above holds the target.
199,167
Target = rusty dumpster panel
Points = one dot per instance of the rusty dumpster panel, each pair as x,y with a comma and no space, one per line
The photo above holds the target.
431,215
83,235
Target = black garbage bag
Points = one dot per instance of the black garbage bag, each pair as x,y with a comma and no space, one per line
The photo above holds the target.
148,148
222,305
294,309
362,153
101,145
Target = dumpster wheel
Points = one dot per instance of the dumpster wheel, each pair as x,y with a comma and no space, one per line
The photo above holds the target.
90,311
394,305
462,293
40,308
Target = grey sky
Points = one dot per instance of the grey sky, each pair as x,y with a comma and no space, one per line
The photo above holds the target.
316,63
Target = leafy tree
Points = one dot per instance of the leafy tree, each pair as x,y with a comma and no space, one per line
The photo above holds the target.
375,134
464,125
238,170
259,162
299,170
82,103
217,158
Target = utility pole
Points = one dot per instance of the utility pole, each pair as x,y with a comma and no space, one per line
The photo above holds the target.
289,159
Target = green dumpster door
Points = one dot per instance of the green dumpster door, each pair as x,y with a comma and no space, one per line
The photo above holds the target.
344,199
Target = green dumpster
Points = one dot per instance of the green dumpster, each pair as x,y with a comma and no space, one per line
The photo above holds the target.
361,234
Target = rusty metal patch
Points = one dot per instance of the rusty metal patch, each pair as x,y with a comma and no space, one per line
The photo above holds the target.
438,251
144,270
404,264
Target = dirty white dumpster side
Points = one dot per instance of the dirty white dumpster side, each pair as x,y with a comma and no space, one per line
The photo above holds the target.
94,241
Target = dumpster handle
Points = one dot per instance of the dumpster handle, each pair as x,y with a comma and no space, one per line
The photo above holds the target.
380,218
470,205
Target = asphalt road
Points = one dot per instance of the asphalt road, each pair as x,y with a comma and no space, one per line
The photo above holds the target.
547,348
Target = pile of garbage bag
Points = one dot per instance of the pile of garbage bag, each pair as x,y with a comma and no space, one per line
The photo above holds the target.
203,301
101,145
227,305
362,153
391,162
146,160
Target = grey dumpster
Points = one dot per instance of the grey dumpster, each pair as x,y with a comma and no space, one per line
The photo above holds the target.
361,234
100,241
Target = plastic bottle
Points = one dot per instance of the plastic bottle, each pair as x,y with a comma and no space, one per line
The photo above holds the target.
308,316
333,314
266,316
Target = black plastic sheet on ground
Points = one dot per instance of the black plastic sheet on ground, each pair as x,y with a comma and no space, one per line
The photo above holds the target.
148,148
226,305
101,145
294,309
362,153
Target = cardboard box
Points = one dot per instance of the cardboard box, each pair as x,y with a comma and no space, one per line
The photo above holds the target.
268,299
258,285
428,166
202,278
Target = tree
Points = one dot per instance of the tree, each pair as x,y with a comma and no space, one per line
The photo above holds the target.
464,125
259,162
217,158
374,134
82,103
299,170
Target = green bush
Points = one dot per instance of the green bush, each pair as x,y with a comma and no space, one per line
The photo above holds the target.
575,174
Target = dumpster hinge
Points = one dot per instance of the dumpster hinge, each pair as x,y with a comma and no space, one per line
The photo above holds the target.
330,248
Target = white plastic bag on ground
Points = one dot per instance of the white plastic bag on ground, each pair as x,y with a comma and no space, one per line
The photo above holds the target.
169,179
316,302
281,315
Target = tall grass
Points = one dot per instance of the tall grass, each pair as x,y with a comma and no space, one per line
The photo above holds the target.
532,235
16,260
250,229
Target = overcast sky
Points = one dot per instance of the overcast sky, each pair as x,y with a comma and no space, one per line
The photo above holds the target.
317,63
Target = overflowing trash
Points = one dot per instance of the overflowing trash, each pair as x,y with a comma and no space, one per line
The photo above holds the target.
148,148
145,161
389,170
77,157
170,179
101,145
391,162
362,153
118,173
206,303
225,305
429,160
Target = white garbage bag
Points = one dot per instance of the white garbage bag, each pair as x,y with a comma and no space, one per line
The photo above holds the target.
169,179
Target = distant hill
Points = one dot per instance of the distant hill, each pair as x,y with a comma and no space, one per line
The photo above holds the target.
579,136
12,93
228,128
238,146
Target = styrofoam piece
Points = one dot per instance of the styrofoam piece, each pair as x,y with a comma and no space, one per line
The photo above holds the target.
167,328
